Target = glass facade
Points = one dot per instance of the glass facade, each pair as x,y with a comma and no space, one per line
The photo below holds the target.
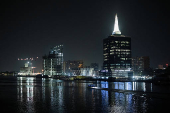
116,53
53,63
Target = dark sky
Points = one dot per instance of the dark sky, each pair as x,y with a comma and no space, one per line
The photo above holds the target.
29,28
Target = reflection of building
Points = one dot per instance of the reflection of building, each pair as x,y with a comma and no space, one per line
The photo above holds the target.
72,67
141,65
53,63
117,53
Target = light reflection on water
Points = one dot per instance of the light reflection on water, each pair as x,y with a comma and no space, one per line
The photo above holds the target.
50,95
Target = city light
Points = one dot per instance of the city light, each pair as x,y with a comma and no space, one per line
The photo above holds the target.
116,26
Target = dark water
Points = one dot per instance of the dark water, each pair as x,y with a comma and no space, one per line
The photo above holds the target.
50,95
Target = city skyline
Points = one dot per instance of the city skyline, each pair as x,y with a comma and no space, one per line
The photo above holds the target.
30,29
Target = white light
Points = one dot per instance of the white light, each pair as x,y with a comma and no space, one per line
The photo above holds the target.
116,26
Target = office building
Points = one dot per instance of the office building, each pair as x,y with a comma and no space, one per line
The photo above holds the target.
117,53
87,71
53,63
72,68
141,65
96,68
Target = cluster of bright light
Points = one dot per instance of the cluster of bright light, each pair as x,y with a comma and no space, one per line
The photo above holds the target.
29,73
116,26
26,58
123,69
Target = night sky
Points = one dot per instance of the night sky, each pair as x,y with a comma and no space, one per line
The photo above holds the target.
29,28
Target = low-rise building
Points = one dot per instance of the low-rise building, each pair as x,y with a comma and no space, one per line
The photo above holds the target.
72,68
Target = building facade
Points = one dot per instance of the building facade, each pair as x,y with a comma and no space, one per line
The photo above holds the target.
141,65
117,53
53,63
96,68
72,68
87,71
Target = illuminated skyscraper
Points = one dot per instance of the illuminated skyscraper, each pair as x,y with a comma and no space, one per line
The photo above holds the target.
53,63
117,53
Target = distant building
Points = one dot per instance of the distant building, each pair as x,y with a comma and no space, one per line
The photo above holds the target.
96,68
27,70
117,53
53,63
87,71
72,68
8,73
160,67
160,70
141,65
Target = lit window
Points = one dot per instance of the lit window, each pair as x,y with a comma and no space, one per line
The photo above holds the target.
122,44
127,42
122,58
117,49
127,50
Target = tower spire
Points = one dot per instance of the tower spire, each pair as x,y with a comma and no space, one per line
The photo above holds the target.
116,26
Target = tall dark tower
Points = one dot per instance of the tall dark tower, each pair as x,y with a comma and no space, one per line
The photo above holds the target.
117,53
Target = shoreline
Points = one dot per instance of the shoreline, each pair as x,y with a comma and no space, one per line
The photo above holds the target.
156,82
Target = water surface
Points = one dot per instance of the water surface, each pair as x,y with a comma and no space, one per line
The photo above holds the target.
41,95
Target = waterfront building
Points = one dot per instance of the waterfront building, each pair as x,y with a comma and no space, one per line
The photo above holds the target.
117,53
96,68
160,70
53,63
160,67
72,68
8,73
26,70
87,71
141,65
